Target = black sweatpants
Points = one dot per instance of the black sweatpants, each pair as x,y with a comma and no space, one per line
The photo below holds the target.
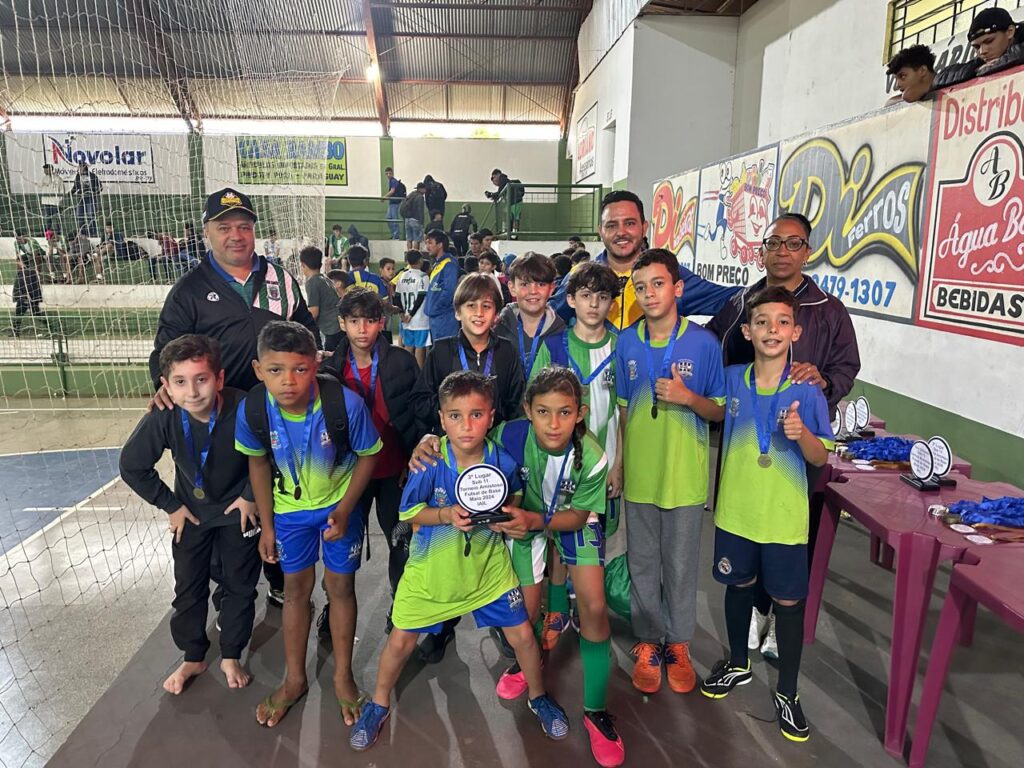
387,495
240,562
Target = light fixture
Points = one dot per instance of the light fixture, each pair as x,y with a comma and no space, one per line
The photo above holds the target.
372,71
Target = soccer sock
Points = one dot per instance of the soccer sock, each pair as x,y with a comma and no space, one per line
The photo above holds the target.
789,632
538,628
762,600
739,601
596,670
558,598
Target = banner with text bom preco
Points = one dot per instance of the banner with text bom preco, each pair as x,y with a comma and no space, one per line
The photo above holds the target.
674,216
863,192
973,257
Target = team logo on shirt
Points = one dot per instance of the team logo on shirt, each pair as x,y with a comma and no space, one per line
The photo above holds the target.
273,291
734,407
325,439
524,475
781,416
275,440
631,367
515,599
213,296
441,497
685,368
608,377
724,566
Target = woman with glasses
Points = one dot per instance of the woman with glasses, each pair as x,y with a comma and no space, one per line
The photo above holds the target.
825,354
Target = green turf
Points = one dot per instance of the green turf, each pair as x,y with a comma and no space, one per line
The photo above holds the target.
114,272
89,324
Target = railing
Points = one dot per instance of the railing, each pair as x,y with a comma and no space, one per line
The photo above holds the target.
928,21
549,212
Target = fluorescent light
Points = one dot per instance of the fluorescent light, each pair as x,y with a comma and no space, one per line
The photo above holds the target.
92,124
233,127
511,132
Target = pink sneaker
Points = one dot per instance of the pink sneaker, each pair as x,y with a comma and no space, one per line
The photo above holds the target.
512,683
605,742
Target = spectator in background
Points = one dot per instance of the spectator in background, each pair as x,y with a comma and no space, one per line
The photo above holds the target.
86,190
168,257
51,198
337,247
362,277
193,248
512,191
26,292
413,209
112,246
563,266
341,281
462,226
79,254
435,194
992,36
410,297
395,194
486,238
355,237
579,256
444,277
321,297
914,71
576,243
470,265
57,254
436,221
272,247
490,264
476,244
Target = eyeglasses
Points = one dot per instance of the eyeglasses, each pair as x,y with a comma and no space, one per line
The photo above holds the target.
791,243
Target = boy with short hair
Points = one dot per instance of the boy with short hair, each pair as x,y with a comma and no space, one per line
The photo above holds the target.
26,292
669,383
448,574
321,297
358,257
410,296
312,448
444,277
211,507
529,320
383,376
341,280
337,245
773,428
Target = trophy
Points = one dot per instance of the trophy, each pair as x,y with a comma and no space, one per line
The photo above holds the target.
481,490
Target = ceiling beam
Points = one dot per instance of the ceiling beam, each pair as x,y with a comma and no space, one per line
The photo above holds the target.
379,97
471,6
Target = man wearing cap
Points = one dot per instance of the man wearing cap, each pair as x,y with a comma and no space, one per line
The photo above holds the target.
230,296
995,39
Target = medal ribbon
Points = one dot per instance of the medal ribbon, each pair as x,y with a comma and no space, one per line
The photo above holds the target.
654,373
465,363
367,396
535,343
765,427
572,363
186,428
558,485
277,420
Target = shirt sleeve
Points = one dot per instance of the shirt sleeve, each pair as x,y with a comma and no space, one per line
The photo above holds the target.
511,471
714,383
245,440
592,489
814,413
363,436
138,462
419,486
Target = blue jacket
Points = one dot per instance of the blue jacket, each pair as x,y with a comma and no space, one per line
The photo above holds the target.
700,296
439,304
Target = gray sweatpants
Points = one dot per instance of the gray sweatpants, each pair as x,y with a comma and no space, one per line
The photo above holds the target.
663,547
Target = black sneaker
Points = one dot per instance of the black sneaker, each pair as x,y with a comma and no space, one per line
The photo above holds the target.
388,623
792,722
431,650
275,597
323,624
502,642
723,678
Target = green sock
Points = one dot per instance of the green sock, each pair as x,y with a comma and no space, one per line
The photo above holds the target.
596,670
538,628
558,598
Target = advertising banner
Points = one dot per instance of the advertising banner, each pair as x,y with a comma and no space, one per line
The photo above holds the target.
674,216
283,160
586,144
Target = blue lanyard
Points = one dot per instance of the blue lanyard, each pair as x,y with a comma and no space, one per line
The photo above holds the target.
465,363
572,363
558,485
652,372
368,397
283,440
205,452
765,426
534,345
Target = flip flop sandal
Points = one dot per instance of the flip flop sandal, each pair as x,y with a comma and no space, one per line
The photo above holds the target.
282,706
356,706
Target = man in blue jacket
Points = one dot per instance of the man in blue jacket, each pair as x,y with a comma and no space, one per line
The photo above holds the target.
622,232
444,276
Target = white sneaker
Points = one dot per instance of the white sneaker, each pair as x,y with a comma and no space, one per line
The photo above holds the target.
758,622
770,648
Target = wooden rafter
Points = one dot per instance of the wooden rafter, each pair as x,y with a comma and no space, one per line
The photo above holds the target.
379,97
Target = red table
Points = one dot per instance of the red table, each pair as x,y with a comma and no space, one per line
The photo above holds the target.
897,514
993,581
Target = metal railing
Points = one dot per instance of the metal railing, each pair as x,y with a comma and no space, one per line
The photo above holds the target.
548,211
929,21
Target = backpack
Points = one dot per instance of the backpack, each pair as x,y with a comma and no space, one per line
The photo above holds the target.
400,190
332,400
405,209
460,225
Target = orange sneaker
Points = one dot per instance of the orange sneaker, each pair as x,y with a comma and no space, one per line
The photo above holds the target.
554,625
647,670
681,677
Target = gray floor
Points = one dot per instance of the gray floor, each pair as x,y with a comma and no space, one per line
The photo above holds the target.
449,715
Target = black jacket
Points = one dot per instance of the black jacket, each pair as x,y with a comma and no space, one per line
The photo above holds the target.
436,195
397,372
443,359
226,473
462,225
202,302
828,340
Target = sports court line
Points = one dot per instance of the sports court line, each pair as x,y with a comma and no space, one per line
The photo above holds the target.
60,450
69,409
70,510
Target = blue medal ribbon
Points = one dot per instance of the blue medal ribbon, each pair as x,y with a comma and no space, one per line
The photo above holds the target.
1006,510
277,420
558,485
881,449
534,345
186,428
766,426
653,374
572,363
465,362
368,397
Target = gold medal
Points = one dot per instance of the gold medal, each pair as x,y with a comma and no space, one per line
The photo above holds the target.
764,460
199,493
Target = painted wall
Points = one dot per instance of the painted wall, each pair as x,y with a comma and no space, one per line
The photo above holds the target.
805,63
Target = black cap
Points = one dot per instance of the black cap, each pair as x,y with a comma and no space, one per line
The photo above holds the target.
988,21
227,200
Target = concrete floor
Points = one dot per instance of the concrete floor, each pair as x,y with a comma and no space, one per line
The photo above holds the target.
84,648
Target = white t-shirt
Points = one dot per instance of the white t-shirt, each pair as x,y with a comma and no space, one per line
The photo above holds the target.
411,283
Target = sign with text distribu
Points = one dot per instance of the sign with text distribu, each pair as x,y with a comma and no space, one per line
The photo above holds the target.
973,265
113,157
270,160
674,216
586,144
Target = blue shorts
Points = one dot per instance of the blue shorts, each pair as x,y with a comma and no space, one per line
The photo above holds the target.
416,339
299,535
781,568
582,547
509,610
